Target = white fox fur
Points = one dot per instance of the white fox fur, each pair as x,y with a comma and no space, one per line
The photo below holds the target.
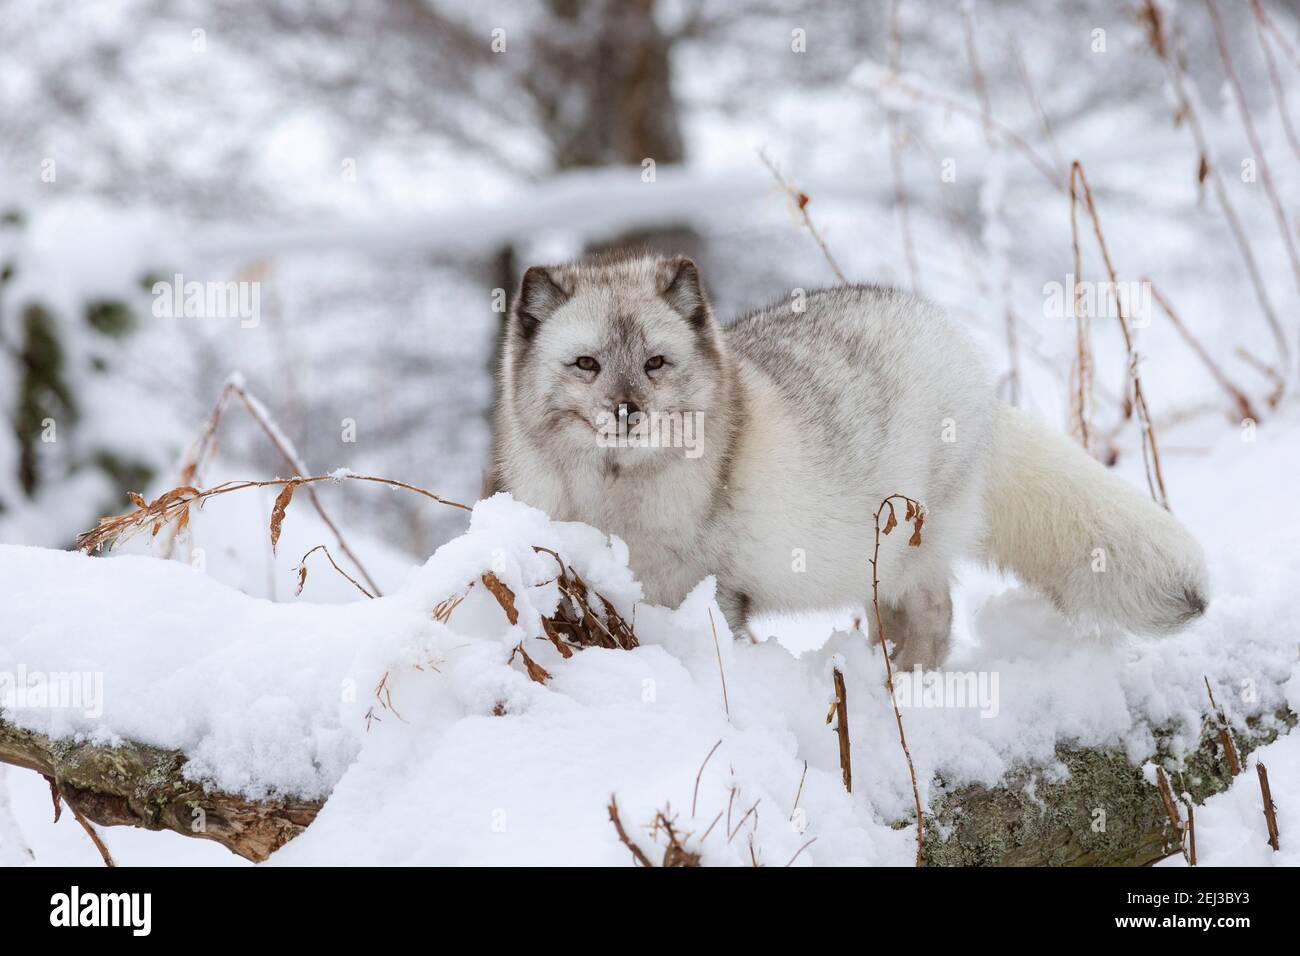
813,412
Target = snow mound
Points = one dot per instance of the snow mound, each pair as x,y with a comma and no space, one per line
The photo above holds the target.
435,746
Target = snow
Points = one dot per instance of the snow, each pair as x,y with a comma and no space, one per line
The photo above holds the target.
474,762
375,313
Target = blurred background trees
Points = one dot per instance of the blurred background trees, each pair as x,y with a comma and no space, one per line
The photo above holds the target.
322,149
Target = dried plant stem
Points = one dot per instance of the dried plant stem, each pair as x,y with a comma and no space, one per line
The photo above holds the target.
1004,132
94,837
1003,279
799,793
1275,81
1170,53
196,458
722,675
1266,21
1049,134
752,811
637,853
1191,831
977,74
255,408
175,504
675,853
57,796
1150,452
1225,736
1270,373
1270,811
800,201
916,514
1083,397
1239,399
204,447
1256,145
841,712
896,157
302,570
1171,808
800,850
695,795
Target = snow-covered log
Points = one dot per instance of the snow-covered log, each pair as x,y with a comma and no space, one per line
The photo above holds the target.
447,723
1106,812
132,784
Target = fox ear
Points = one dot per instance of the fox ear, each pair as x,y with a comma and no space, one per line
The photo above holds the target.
679,284
539,296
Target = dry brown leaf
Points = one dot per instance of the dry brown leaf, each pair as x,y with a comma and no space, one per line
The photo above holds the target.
535,670
277,513
554,637
505,597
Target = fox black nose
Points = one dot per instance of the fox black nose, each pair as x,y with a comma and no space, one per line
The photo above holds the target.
627,408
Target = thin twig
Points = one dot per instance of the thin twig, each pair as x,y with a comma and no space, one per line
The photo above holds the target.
752,810
1049,134
1244,408
1279,36
1150,453
1275,81
1270,373
1171,809
800,201
895,155
302,570
1169,50
721,673
711,826
916,514
637,853
997,212
695,796
1225,736
1256,145
1083,399
1191,831
799,793
56,793
800,850
175,505
257,410
1003,131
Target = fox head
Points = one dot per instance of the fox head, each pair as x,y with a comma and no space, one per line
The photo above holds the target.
618,360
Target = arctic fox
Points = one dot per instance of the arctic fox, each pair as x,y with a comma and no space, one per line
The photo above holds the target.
760,451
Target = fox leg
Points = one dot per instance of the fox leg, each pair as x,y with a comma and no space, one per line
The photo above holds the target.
919,626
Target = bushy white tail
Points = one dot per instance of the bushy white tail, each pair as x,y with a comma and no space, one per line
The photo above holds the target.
1086,538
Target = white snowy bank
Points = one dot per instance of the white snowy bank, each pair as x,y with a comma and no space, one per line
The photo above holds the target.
473,762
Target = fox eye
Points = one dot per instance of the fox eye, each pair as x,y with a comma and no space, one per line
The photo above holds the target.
655,363
587,363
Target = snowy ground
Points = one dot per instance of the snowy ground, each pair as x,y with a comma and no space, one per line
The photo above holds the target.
272,697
